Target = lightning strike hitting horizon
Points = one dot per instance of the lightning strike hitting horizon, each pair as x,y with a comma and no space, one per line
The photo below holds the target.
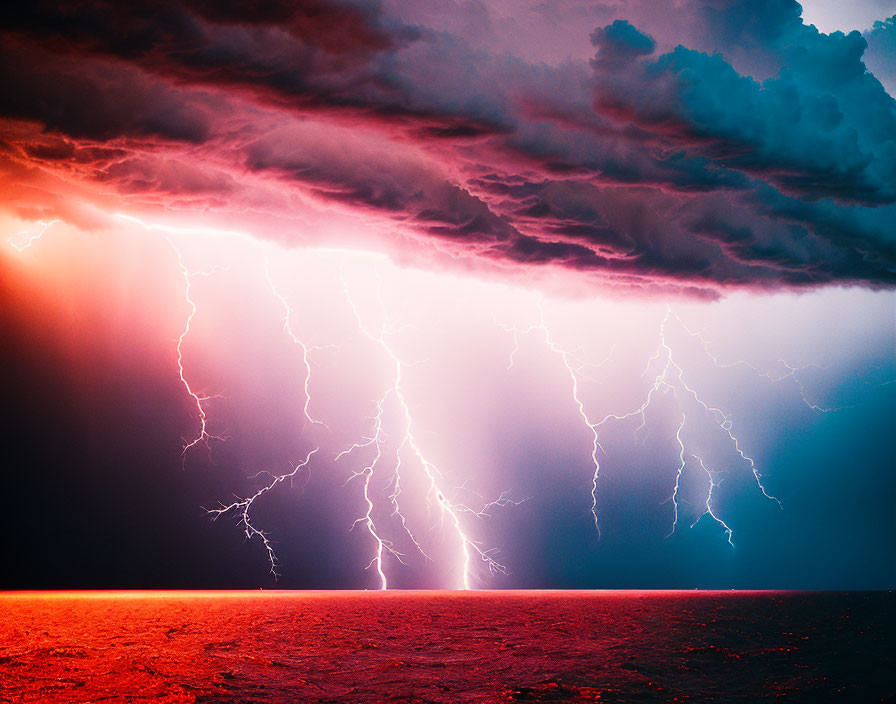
242,507
383,546
366,474
367,519
447,509
674,230
398,449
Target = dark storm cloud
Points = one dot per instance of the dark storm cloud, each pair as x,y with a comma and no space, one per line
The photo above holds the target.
142,28
823,128
368,178
772,163
310,55
92,100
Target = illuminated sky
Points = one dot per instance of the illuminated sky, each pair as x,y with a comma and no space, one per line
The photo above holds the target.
598,295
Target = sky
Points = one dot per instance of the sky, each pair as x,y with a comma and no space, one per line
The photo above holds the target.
331,294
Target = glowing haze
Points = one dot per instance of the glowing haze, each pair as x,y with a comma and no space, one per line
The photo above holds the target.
447,294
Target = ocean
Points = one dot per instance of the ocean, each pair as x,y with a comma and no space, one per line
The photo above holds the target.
427,647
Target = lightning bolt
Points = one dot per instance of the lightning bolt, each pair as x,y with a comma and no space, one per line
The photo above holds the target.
503,501
792,372
683,456
203,436
670,378
377,441
710,475
663,375
574,368
23,239
305,349
243,507
682,462
393,500
723,420
449,511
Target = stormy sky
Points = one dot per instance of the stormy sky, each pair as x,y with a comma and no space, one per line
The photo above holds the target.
472,238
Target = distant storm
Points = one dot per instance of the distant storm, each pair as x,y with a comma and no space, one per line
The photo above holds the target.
456,295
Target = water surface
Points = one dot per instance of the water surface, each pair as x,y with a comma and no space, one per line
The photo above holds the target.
279,647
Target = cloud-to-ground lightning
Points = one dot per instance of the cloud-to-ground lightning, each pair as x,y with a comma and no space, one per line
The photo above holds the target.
398,450
243,507
376,440
671,378
449,511
23,239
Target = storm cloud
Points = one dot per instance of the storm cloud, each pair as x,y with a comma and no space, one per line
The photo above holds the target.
730,145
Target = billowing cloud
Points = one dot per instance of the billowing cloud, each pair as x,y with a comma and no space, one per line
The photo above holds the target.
880,57
733,147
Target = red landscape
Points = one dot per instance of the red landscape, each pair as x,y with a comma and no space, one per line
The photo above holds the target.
186,647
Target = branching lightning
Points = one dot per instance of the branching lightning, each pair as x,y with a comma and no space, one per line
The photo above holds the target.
203,436
377,440
393,501
670,378
390,448
503,501
449,511
711,476
792,371
243,507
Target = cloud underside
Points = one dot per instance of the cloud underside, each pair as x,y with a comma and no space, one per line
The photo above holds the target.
764,157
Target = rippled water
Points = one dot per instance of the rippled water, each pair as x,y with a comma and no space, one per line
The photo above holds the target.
447,647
